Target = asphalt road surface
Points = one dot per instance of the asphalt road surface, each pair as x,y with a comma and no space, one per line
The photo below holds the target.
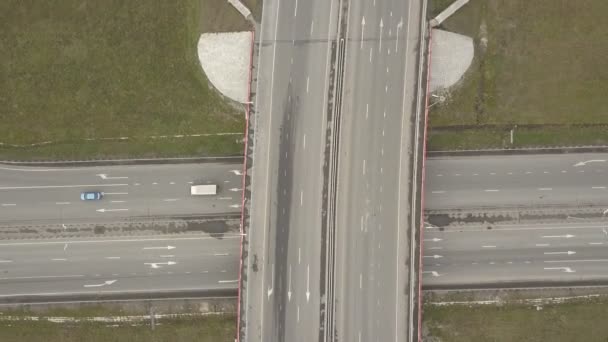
117,265
42,195
373,297
516,255
516,181
281,296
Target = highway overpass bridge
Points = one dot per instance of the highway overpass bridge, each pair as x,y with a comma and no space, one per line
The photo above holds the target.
331,210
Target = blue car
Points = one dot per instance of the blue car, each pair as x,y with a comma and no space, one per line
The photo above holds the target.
91,195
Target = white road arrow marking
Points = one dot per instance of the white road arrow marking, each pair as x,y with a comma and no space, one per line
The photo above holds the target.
433,239
164,247
109,210
107,282
564,269
289,287
159,264
589,161
235,189
567,236
568,252
433,256
399,26
307,283
237,172
381,30
433,273
105,176
362,31
271,288
235,206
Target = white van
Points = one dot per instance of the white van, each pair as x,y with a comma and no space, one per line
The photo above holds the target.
203,190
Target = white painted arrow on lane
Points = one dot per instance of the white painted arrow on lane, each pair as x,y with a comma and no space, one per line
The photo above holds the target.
399,26
107,282
564,269
109,210
307,283
289,286
235,189
381,30
105,176
567,236
159,264
433,273
583,163
433,240
271,288
362,31
164,247
433,256
237,172
235,206
568,252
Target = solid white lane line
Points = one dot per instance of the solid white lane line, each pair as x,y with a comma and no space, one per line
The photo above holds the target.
366,110
491,190
312,27
170,199
112,258
115,193
167,256
60,186
301,198
545,189
307,83
360,281
370,54
363,166
228,281
8,204
62,203
438,192
65,243
542,245
304,142
117,201
598,187
44,277
59,259
596,243
489,246
579,260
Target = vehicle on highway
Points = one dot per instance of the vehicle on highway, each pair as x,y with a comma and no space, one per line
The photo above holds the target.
203,190
91,195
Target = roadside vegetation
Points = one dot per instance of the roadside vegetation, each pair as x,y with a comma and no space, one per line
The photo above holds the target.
75,73
207,329
572,321
21,328
539,70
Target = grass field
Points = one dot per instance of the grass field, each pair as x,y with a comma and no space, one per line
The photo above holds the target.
543,64
207,329
581,320
74,70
